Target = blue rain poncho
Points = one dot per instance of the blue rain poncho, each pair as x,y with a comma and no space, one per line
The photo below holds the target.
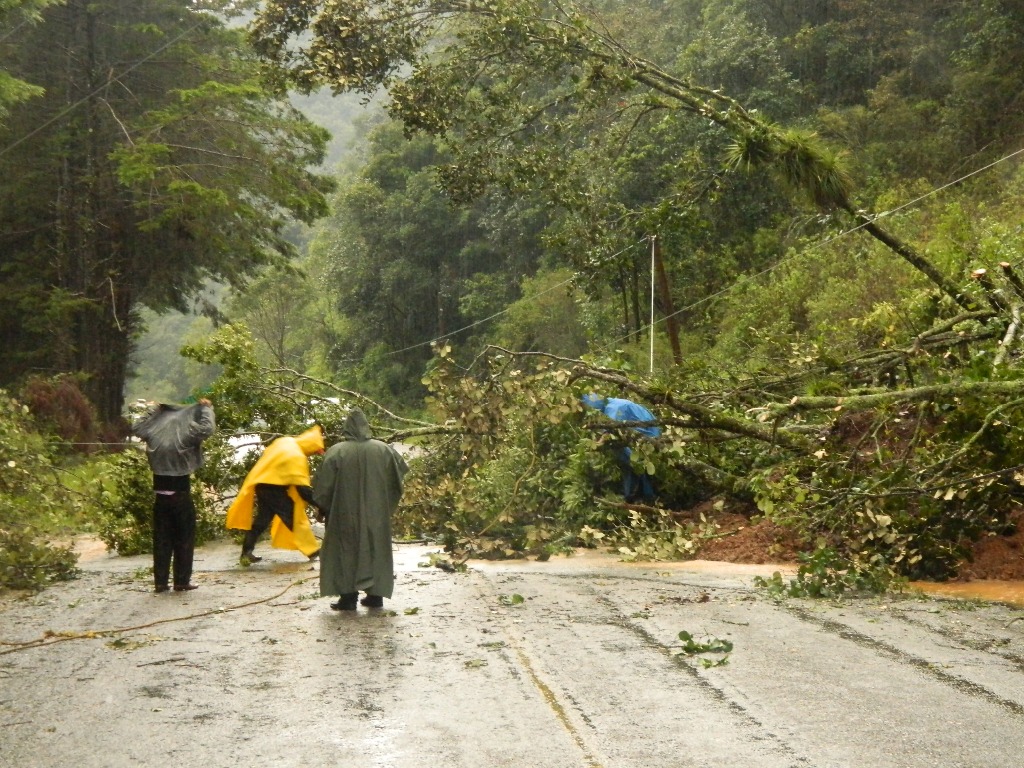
634,484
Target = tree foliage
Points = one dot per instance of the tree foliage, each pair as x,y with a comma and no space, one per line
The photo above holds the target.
14,15
748,134
476,67
29,495
402,265
155,160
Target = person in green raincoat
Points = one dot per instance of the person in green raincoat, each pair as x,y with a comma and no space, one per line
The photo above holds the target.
357,489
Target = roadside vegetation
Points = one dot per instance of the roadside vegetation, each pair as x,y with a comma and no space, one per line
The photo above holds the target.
39,509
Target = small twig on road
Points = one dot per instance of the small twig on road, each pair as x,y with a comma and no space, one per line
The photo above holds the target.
162,661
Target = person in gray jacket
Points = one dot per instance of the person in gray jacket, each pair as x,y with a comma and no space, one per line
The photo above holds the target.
173,435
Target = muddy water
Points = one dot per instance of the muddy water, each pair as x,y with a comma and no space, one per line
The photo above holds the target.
1009,592
991,590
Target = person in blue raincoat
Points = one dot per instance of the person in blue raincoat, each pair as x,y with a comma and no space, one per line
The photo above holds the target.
635,485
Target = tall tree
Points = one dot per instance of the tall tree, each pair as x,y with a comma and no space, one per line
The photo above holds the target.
399,259
16,15
477,66
156,160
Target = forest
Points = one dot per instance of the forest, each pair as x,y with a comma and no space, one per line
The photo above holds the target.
791,230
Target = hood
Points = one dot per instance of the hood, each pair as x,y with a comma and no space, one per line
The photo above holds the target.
356,426
311,441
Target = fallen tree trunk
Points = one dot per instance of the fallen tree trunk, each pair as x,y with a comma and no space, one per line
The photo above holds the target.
866,402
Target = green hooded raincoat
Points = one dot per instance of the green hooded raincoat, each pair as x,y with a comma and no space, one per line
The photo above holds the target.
358,486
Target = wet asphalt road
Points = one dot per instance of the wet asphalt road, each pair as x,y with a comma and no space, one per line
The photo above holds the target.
573,662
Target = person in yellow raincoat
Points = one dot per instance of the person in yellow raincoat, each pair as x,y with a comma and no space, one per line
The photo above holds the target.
279,488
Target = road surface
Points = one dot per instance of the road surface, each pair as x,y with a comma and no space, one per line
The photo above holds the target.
575,662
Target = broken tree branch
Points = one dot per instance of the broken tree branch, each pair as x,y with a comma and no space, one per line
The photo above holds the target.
865,402
703,415
1009,337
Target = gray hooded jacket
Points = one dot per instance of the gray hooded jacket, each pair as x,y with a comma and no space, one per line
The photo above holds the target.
173,435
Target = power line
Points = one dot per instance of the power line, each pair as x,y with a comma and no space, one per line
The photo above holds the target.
817,246
490,317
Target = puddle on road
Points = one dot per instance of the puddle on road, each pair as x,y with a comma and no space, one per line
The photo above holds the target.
1009,592
91,548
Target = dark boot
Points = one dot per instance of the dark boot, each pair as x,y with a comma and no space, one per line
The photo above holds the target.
248,558
372,601
346,602
248,545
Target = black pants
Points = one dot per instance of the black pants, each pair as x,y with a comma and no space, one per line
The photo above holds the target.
174,537
271,501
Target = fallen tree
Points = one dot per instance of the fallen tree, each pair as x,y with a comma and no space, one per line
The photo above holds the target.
512,463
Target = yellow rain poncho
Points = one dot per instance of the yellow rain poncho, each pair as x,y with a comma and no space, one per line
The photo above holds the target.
284,462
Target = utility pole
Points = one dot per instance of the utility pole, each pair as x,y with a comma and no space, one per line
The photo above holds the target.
665,297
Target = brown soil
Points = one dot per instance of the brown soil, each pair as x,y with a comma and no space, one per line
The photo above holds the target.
997,557
743,541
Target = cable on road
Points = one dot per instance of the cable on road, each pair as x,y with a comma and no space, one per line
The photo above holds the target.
52,638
